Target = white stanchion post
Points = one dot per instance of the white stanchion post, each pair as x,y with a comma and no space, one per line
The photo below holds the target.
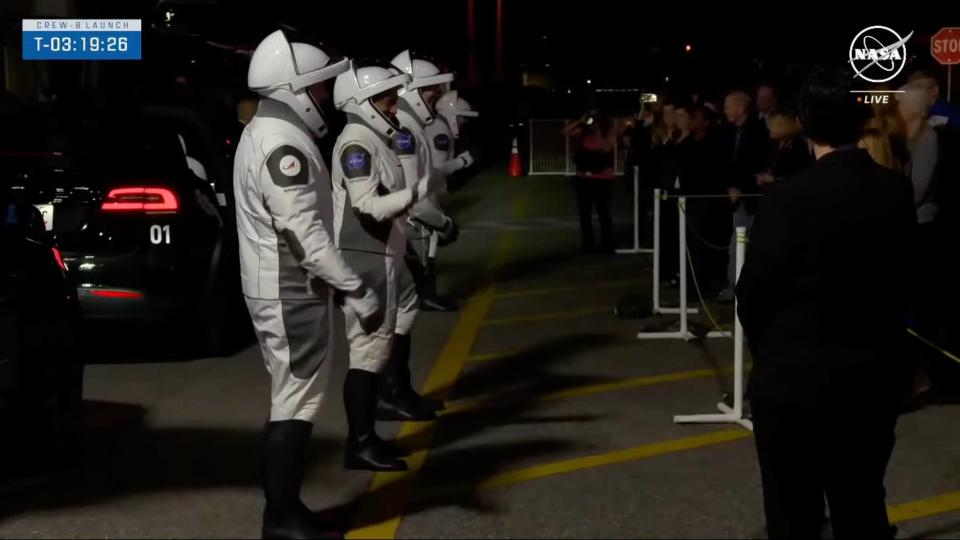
656,250
731,415
682,223
684,331
657,309
636,217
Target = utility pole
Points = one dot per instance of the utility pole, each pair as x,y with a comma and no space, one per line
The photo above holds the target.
499,52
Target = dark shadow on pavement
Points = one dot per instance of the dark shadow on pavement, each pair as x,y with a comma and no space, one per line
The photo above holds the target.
567,256
479,462
129,343
526,374
122,456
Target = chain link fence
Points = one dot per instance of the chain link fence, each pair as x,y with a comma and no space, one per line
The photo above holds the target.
551,152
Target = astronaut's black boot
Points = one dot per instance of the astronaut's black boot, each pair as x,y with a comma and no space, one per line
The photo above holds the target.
429,299
365,450
398,400
284,459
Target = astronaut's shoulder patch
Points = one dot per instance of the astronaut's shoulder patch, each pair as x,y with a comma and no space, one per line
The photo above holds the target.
288,166
355,161
404,143
441,142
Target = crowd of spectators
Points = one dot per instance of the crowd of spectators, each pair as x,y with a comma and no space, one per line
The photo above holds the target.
737,147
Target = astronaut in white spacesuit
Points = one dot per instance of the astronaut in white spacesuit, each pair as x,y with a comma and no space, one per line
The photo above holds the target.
418,114
371,198
454,111
289,264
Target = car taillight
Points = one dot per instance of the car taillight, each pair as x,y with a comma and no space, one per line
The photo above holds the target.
110,293
140,199
59,258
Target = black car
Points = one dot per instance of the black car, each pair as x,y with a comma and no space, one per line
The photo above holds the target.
138,202
41,373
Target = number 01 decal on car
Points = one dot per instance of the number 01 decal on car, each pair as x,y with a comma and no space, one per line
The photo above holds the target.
159,234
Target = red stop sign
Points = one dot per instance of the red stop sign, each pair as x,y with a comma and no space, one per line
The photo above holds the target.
945,46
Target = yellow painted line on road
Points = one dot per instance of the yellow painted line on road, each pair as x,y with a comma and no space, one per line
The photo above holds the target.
571,314
466,405
568,466
382,509
556,290
486,357
940,504
500,355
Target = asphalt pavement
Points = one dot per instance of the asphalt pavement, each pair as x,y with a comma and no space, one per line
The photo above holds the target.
559,426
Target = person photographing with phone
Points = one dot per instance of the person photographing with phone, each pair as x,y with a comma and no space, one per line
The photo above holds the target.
595,141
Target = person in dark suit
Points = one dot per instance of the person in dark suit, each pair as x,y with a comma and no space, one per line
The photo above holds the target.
823,305
791,153
708,218
748,149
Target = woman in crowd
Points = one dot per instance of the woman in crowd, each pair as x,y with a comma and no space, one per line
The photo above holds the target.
923,155
665,164
877,144
887,122
596,141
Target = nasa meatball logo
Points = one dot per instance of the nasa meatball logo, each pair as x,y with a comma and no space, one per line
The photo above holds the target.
290,165
404,141
356,161
878,54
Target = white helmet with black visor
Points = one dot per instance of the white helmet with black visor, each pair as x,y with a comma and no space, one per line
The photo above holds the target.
285,71
451,106
423,74
355,89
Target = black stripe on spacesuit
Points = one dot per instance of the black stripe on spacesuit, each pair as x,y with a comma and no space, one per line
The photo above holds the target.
361,231
293,281
307,326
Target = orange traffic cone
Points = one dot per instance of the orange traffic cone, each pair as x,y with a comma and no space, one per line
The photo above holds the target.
516,168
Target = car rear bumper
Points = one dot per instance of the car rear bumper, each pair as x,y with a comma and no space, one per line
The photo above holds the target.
108,303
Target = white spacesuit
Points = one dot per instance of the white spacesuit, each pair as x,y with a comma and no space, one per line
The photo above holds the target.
452,111
442,146
288,262
451,108
371,197
417,112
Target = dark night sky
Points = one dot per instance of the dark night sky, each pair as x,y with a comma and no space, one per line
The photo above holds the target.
615,44
617,41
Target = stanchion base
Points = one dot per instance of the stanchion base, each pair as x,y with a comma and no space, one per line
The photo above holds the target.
729,417
686,336
675,311
633,251
745,422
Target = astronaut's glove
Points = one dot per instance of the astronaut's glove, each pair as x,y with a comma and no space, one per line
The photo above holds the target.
365,304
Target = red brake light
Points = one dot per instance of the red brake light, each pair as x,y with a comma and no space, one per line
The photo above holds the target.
59,258
140,199
109,293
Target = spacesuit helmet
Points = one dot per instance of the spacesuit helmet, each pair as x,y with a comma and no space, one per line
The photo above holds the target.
423,74
356,89
452,107
286,71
